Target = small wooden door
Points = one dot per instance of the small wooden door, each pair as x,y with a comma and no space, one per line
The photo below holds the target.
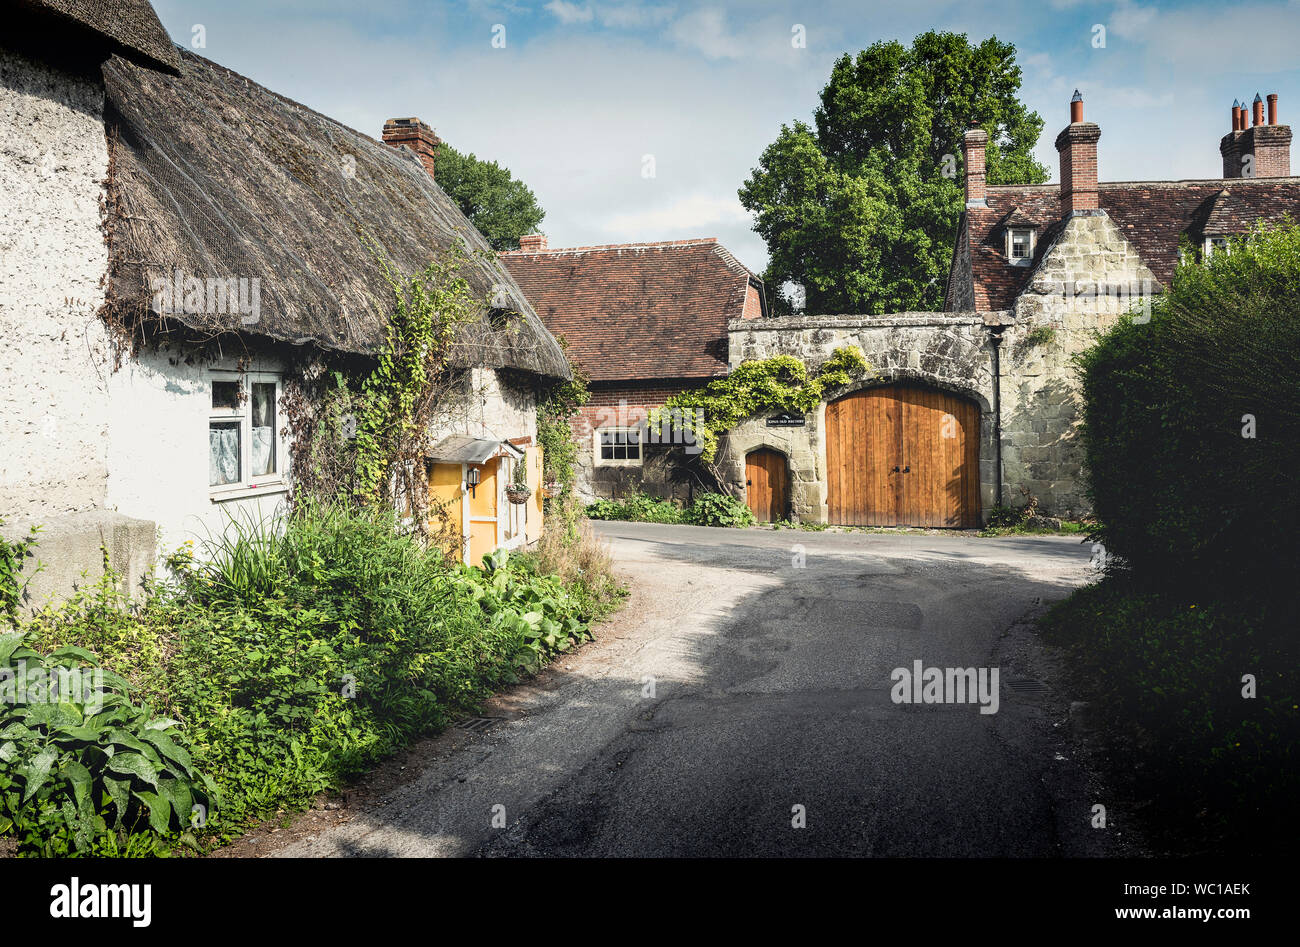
902,455
765,489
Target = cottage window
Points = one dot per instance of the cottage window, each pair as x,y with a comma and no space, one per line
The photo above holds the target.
1215,245
243,440
618,446
1020,245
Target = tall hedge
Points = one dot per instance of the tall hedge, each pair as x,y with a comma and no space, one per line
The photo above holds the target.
1186,498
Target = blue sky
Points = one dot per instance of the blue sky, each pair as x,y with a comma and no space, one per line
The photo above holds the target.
582,91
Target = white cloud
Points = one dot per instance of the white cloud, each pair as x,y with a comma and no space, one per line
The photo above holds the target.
568,13
706,31
630,15
697,214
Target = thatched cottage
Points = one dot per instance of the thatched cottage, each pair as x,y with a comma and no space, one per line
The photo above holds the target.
184,253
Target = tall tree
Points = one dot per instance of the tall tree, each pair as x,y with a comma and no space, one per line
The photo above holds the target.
502,208
861,210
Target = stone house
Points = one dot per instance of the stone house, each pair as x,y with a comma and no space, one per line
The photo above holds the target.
978,406
184,257
643,321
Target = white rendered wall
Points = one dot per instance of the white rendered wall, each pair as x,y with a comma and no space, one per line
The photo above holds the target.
158,447
53,351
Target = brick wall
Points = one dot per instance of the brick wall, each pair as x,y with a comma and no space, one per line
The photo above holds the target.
623,404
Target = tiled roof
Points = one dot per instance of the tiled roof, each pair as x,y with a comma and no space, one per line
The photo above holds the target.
1153,215
638,310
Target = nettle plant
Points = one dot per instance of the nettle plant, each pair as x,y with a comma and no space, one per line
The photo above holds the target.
81,763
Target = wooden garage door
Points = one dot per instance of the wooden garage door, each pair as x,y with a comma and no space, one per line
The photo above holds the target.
902,455
765,488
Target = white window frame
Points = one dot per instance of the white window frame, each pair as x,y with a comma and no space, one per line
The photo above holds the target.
1217,244
1032,234
249,485
624,462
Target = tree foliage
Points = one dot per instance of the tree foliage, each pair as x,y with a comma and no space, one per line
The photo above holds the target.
1192,423
501,207
861,210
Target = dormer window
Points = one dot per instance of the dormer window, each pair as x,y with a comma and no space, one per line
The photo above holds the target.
1215,245
1020,245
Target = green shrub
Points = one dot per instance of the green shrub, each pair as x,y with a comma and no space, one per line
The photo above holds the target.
637,508
1163,673
719,509
1184,497
707,509
296,654
76,751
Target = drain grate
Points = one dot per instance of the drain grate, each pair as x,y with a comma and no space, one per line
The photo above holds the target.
478,724
1027,688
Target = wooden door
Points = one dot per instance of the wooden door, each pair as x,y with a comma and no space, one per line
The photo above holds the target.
765,484
902,455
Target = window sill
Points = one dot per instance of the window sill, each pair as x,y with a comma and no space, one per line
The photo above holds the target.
240,493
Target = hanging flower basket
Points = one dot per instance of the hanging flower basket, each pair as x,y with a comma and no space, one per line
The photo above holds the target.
518,493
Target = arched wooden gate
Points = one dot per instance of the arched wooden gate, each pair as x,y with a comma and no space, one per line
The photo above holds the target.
903,455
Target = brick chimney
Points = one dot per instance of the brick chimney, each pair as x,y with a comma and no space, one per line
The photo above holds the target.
1077,146
415,135
973,144
1266,143
532,242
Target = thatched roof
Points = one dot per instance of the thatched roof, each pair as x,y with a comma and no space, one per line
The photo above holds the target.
218,178
128,27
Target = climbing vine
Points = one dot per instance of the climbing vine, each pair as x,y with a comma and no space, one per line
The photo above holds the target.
398,397
780,383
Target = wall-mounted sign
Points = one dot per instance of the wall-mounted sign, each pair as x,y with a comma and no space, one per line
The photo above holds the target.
786,419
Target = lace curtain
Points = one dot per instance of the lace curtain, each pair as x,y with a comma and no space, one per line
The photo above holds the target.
223,455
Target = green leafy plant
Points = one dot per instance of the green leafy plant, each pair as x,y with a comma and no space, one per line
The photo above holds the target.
81,761
397,397
13,556
298,652
637,508
718,509
860,208
780,383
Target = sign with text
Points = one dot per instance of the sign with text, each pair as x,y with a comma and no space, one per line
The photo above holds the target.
786,419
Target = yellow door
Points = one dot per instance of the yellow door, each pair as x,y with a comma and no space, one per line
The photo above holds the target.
445,502
533,528
483,510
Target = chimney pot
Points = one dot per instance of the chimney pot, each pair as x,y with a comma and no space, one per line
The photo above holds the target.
1076,107
1236,115
416,135
1272,108
1257,109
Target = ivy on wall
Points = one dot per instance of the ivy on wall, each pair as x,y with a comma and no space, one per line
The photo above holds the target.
399,395
780,383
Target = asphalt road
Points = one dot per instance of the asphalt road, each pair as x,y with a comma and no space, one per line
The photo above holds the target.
748,682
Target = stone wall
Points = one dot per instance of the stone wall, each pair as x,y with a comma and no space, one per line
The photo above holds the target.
949,351
1085,279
